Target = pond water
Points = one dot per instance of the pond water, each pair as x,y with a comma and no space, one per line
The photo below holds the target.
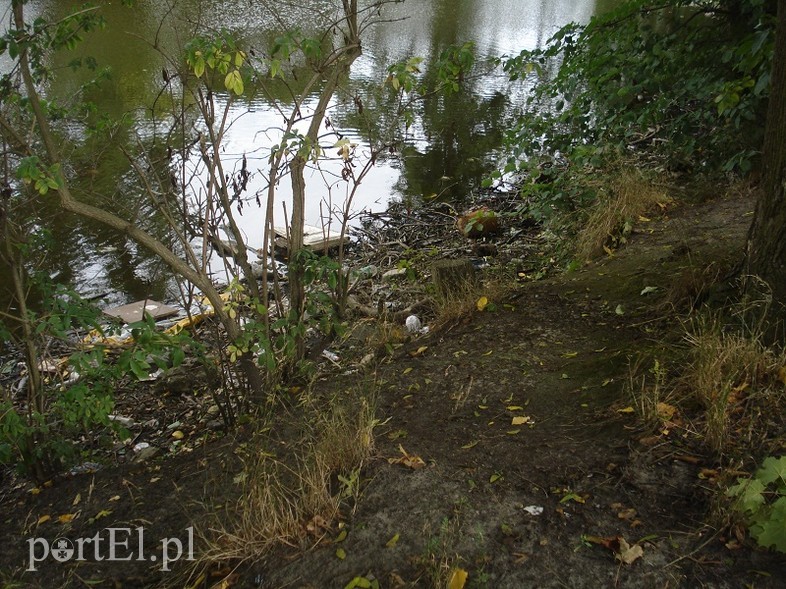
450,147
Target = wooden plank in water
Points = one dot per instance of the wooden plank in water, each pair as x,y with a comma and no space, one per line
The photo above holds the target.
133,311
314,238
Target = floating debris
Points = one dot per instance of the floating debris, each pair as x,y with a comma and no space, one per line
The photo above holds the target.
133,312
315,238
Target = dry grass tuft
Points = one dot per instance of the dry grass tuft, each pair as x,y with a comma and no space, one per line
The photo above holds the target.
622,199
734,377
462,303
346,434
279,504
649,393
294,499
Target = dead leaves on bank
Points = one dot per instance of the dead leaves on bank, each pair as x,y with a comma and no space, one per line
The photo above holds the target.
412,461
623,551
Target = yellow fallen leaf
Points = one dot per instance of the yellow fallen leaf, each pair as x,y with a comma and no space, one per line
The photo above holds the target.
644,219
419,351
495,477
482,303
608,250
472,444
115,498
626,410
341,536
178,435
782,374
665,411
35,491
102,513
77,499
514,408
458,579
66,518
519,420
43,519
341,553
407,370
570,354
393,541
513,432
409,460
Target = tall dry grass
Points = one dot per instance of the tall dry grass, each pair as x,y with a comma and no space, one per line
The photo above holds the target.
623,197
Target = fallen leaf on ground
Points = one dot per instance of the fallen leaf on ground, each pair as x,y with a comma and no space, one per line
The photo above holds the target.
361,583
665,411
626,410
458,579
482,303
519,420
627,553
43,519
418,352
341,553
409,460
472,444
392,542
66,518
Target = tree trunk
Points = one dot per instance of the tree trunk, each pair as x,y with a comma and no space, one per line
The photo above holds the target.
339,70
766,248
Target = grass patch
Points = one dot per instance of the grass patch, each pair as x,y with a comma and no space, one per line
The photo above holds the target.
738,383
463,301
292,499
622,199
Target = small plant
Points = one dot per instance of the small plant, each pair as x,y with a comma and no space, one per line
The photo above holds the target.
648,393
761,500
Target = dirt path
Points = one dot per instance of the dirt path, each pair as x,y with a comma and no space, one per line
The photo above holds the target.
533,469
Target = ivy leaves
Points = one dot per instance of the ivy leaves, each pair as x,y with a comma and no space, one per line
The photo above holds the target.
762,500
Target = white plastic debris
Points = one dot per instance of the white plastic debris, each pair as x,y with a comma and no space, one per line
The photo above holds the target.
413,324
122,420
141,446
533,509
330,356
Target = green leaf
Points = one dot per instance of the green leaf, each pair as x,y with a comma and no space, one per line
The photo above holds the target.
234,82
749,494
772,469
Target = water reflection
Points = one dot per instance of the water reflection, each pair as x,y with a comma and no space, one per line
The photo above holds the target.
449,145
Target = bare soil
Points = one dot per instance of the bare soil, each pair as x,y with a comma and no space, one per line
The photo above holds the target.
534,468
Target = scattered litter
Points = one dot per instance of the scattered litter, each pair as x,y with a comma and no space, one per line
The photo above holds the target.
534,510
133,312
84,468
330,356
413,324
315,238
124,421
